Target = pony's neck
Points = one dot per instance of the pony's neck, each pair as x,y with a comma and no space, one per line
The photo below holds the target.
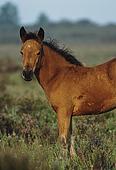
52,63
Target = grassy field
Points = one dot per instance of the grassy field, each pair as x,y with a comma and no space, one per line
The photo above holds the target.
28,125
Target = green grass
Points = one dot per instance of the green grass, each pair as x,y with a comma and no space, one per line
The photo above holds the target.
28,125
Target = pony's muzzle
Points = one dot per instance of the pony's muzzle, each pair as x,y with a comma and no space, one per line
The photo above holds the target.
27,74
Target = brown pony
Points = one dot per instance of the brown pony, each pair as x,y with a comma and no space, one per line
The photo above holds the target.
71,88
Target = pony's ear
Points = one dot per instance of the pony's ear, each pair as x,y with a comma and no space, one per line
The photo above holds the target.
23,34
41,34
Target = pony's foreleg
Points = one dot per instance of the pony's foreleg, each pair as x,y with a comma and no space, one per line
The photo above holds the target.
71,142
64,122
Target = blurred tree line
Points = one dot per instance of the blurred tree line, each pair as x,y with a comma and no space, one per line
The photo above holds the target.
9,15
64,30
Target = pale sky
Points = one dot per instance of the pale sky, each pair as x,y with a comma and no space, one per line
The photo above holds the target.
101,11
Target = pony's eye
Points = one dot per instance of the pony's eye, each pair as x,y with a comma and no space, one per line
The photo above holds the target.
38,53
21,52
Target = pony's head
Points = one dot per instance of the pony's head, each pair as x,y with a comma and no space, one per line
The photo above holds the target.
31,51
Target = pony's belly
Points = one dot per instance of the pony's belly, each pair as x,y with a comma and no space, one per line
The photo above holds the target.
94,107
86,109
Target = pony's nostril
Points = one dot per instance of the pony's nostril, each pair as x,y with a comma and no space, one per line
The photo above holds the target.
31,73
24,73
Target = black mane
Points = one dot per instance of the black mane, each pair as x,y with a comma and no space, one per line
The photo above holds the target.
64,52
